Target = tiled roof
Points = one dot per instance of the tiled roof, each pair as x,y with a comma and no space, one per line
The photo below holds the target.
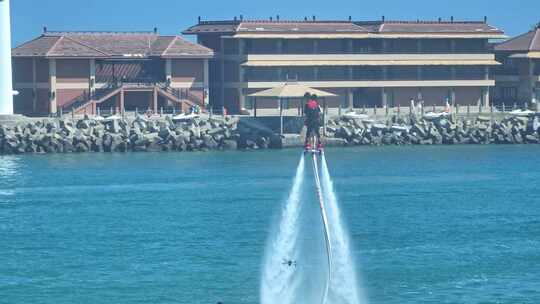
217,27
302,27
160,45
438,27
109,44
527,42
37,47
68,47
180,47
314,26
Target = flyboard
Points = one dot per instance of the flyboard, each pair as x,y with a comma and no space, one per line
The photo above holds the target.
315,153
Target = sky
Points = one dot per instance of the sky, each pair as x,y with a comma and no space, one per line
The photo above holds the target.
173,16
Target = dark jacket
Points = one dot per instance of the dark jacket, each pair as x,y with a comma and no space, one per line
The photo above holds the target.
312,111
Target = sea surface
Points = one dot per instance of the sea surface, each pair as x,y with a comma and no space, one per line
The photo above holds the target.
444,224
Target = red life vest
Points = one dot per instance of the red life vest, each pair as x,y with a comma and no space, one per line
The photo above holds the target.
312,104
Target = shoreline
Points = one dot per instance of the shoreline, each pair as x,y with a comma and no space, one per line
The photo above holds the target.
218,133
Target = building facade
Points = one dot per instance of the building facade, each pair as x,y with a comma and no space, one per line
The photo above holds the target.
82,72
518,79
373,63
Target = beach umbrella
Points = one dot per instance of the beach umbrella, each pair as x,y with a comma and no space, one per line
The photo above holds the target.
289,90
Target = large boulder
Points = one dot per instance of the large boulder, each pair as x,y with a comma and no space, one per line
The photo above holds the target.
209,142
229,145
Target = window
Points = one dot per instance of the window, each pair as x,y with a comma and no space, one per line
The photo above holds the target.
470,72
261,74
470,45
333,73
298,73
436,73
367,46
402,46
298,46
509,93
509,62
367,73
402,73
434,46
332,46
261,46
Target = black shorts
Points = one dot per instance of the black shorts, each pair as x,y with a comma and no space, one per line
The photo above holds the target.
313,129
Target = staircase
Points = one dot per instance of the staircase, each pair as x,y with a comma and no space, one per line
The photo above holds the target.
180,95
82,101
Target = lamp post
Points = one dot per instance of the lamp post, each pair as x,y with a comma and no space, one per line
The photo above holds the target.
6,81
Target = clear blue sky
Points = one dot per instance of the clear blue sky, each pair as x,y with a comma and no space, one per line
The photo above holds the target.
173,16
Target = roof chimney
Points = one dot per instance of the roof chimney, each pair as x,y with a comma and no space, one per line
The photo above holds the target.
199,19
485,19
350,18
383,18
452,19
277,17
270,18
44,29
305,18
440,19
155,30
313,17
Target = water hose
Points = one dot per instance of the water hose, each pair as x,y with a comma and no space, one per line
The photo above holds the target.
325,224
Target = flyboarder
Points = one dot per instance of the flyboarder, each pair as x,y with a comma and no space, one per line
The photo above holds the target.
312,111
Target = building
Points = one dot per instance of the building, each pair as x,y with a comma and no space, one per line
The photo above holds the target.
83,71
518,79
367,63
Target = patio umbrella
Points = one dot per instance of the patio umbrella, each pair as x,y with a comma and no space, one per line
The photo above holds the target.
289,90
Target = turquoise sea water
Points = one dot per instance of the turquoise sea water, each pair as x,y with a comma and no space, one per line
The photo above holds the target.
428,224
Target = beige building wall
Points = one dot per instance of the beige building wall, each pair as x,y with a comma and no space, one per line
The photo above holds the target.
72,71
65,96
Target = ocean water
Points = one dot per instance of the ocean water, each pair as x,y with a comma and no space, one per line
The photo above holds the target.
454,224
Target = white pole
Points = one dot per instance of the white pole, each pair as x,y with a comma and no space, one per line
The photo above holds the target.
6,84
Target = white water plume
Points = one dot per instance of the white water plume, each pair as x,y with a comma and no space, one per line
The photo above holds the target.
298,238
279,284
344,287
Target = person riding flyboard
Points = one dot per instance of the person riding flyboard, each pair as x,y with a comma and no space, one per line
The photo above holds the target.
312,112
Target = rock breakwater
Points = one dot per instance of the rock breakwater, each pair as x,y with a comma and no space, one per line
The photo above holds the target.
140,134
119,135
440,130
